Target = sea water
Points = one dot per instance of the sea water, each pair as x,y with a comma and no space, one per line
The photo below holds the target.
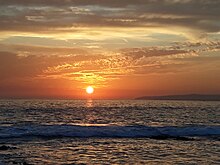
109,132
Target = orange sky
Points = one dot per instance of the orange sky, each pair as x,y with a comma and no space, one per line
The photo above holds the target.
124,49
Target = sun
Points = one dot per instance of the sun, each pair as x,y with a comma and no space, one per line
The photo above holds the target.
89,90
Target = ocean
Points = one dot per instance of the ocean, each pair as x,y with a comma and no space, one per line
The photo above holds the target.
109,132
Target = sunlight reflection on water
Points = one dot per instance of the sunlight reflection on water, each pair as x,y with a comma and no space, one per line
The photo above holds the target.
89,103
33,115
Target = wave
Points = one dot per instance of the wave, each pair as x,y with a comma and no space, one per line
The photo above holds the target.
107,131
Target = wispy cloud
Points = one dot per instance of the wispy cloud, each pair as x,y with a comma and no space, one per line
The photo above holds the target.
100,69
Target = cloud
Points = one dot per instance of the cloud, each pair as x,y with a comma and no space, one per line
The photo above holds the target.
85,68
107,3
68,15
25,65
151,52
198,46
25,50
38,62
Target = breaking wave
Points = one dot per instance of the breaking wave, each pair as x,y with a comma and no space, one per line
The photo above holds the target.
107,131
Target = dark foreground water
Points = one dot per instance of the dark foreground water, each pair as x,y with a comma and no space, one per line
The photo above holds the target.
109,132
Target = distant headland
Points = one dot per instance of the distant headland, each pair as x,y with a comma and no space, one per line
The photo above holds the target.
188,97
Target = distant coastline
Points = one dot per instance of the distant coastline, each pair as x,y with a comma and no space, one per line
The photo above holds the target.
188,97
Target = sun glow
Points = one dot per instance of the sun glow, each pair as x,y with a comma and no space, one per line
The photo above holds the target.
89,90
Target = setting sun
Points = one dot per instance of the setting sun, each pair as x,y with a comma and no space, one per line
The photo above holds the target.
89,90
109,81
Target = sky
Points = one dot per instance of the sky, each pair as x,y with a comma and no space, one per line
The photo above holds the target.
123,48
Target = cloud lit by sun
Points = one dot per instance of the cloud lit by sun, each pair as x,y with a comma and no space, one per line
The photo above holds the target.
124,49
